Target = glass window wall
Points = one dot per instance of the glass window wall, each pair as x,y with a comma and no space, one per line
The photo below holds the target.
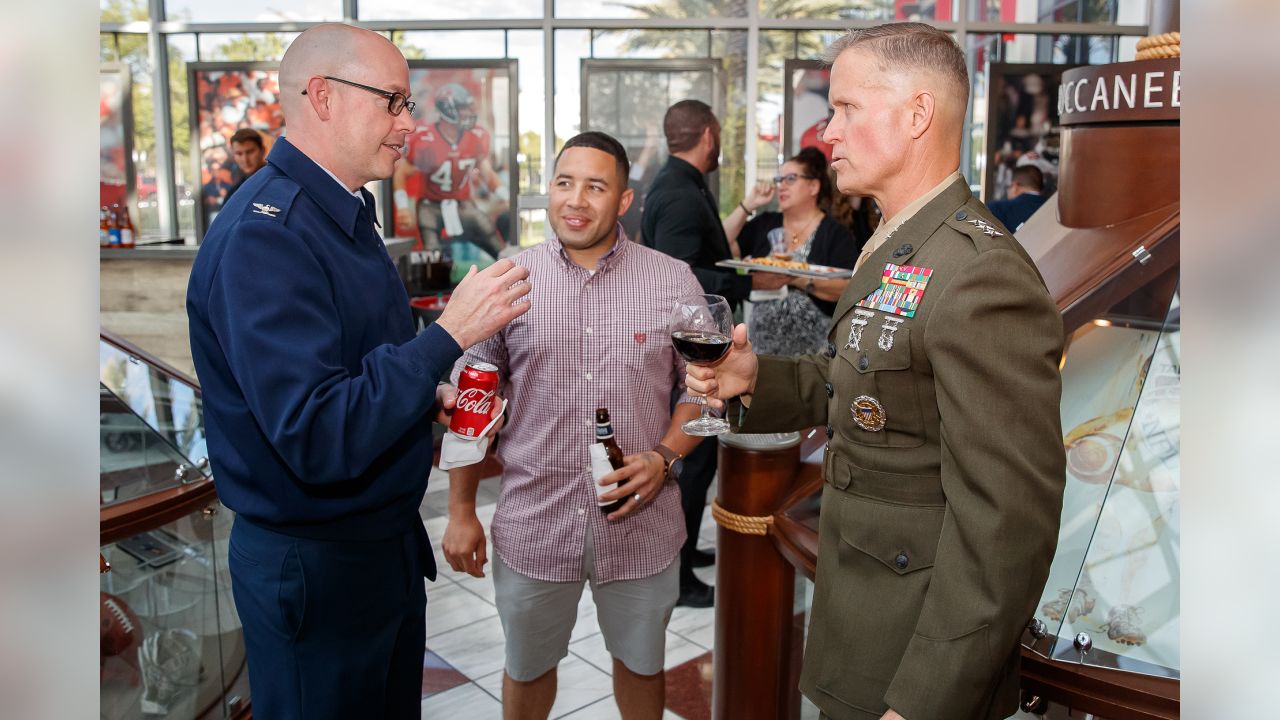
1120,12
203,11
584,29
471,10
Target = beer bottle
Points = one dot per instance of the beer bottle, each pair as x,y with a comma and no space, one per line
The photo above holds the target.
104,232
606,457
113,226
127,233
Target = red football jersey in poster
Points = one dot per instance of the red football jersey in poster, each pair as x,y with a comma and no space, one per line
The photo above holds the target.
444,170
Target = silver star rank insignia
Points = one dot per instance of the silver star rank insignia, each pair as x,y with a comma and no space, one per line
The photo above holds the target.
985,227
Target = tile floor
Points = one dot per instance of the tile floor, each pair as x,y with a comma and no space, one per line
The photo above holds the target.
462,671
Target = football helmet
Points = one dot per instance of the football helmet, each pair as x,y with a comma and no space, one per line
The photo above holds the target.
456,106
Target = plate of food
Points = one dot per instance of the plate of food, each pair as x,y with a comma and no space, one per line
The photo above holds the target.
786,267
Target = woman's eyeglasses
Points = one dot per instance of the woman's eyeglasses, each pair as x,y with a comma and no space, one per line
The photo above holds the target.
789,178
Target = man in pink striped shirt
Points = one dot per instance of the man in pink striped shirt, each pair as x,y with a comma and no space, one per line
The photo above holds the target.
595,337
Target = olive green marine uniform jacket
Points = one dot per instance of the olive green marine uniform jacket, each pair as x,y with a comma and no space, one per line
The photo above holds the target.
944,472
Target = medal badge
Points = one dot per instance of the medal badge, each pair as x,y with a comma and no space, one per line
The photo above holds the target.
900,292
868,413
887,330
856,325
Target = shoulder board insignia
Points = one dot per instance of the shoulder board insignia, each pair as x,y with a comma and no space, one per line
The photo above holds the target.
265,209
987,229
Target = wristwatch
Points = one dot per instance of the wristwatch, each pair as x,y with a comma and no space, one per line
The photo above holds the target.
669,458
808,286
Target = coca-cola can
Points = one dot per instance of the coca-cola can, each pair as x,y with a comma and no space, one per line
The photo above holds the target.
477,388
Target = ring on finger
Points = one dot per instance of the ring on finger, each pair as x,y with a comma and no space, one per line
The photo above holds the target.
638,497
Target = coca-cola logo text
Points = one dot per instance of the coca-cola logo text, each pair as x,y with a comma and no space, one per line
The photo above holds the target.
475,400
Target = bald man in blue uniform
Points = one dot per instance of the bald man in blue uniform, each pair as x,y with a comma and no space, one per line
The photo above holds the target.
319,398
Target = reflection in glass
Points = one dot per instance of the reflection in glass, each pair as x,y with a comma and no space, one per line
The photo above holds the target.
984,50
167,406
171,641
134,460
1115,575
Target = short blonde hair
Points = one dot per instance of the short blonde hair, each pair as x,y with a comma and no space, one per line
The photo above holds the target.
909,46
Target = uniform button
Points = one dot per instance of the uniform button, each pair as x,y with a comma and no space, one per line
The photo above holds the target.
901,561
831,350
830,392
962,215
830,432
863,363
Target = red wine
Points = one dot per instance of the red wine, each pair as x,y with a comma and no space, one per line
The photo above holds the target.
700,347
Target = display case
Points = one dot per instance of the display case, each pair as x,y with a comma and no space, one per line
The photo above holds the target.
171,643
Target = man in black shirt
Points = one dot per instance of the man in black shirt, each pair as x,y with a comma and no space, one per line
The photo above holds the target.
681,216
682,219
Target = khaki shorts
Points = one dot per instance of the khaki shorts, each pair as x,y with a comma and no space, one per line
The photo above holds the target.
538,617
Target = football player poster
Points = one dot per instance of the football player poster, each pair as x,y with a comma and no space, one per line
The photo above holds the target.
227,96
452,189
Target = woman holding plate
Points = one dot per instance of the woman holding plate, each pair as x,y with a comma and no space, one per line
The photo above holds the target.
790,314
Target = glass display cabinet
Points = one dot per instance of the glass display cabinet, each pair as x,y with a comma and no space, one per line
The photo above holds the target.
1104,638
171,644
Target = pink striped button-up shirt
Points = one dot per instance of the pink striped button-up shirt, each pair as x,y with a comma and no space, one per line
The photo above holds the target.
592,339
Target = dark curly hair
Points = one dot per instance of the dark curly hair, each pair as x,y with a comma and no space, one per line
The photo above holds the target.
815,166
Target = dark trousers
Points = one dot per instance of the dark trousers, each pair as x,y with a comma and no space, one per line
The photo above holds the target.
332,629
695,478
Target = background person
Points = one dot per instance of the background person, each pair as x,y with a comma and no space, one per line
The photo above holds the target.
318,397
1025,197
797,322
249,154
596,338
682,219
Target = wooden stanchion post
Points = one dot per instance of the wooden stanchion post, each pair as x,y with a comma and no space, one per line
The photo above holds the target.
755,585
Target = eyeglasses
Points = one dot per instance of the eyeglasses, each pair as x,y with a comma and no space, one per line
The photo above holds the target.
396,102
789,178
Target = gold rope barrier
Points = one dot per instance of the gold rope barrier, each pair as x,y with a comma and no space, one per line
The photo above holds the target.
745,524
1165,45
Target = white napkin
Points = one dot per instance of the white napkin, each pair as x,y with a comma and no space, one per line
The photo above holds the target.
765,295
600,466
452,220
459,451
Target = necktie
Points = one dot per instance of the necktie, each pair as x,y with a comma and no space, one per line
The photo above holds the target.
862,258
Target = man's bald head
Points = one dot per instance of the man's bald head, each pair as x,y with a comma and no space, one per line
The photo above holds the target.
329,49
337,84
922,52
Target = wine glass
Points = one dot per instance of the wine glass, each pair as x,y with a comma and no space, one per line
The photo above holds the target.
701,329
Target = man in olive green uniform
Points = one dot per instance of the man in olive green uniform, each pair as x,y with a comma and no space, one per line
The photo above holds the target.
940,395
